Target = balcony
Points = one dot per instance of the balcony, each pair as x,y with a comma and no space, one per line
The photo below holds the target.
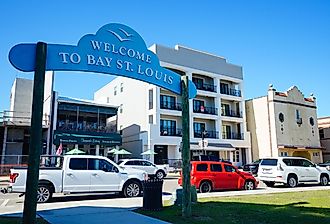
170,106
232,92
89,127
206,87
231,113
233,135
171,132
209,134
205,110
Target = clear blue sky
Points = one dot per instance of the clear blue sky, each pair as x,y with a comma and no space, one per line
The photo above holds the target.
280,42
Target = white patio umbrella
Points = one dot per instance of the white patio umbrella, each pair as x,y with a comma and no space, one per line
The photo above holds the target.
149,152
75,151
122,152
113,150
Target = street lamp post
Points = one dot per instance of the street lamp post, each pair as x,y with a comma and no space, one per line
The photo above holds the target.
204,133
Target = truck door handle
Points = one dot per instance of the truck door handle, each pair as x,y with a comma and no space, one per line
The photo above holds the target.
69,174
94,174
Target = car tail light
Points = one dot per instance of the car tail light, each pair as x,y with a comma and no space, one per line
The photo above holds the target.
13,177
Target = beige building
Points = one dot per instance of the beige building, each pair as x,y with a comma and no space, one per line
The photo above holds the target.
324,129
284,124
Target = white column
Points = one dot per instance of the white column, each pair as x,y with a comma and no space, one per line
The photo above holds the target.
97,150
76,146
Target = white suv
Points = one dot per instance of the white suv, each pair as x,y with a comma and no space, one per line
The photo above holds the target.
159,171
291,171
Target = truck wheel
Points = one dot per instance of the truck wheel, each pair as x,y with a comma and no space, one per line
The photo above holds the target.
160,174
45,193
132,189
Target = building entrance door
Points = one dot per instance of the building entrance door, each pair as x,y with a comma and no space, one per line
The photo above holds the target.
162,154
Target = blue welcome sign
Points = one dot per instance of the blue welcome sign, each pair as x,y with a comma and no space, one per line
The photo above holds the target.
115,49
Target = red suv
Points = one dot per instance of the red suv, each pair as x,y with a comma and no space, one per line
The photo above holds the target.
208,175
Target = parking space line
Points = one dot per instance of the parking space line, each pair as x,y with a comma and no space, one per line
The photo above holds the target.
4,203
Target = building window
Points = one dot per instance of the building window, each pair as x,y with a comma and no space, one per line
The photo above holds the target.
151,119
298,117
167,102
198,106
225,109
115,91
311,121
321,132
198,82
283,153
236,156
316,154
297,114
167,127
199,128
281,117
121,87
151,99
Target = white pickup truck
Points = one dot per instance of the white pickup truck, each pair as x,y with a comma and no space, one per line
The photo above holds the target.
80,174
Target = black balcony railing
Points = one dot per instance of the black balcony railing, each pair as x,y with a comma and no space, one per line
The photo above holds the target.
232,92
209,134
170,106
205,110
170,132
206,87
232,135
231,113
89,127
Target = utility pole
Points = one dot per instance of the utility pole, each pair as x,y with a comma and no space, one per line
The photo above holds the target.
30,202
186,195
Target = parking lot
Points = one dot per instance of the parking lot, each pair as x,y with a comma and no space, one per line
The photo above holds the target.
13,203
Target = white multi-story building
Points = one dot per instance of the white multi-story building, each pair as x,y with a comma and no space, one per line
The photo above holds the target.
284,124
150,116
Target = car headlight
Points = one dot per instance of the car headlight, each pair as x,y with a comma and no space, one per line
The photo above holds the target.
328,168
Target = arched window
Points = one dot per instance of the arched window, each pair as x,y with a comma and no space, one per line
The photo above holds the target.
281,117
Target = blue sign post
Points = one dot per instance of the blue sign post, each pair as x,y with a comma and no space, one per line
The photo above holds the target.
115,49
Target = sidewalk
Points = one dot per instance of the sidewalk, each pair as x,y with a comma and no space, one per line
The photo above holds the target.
119,210
96,215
